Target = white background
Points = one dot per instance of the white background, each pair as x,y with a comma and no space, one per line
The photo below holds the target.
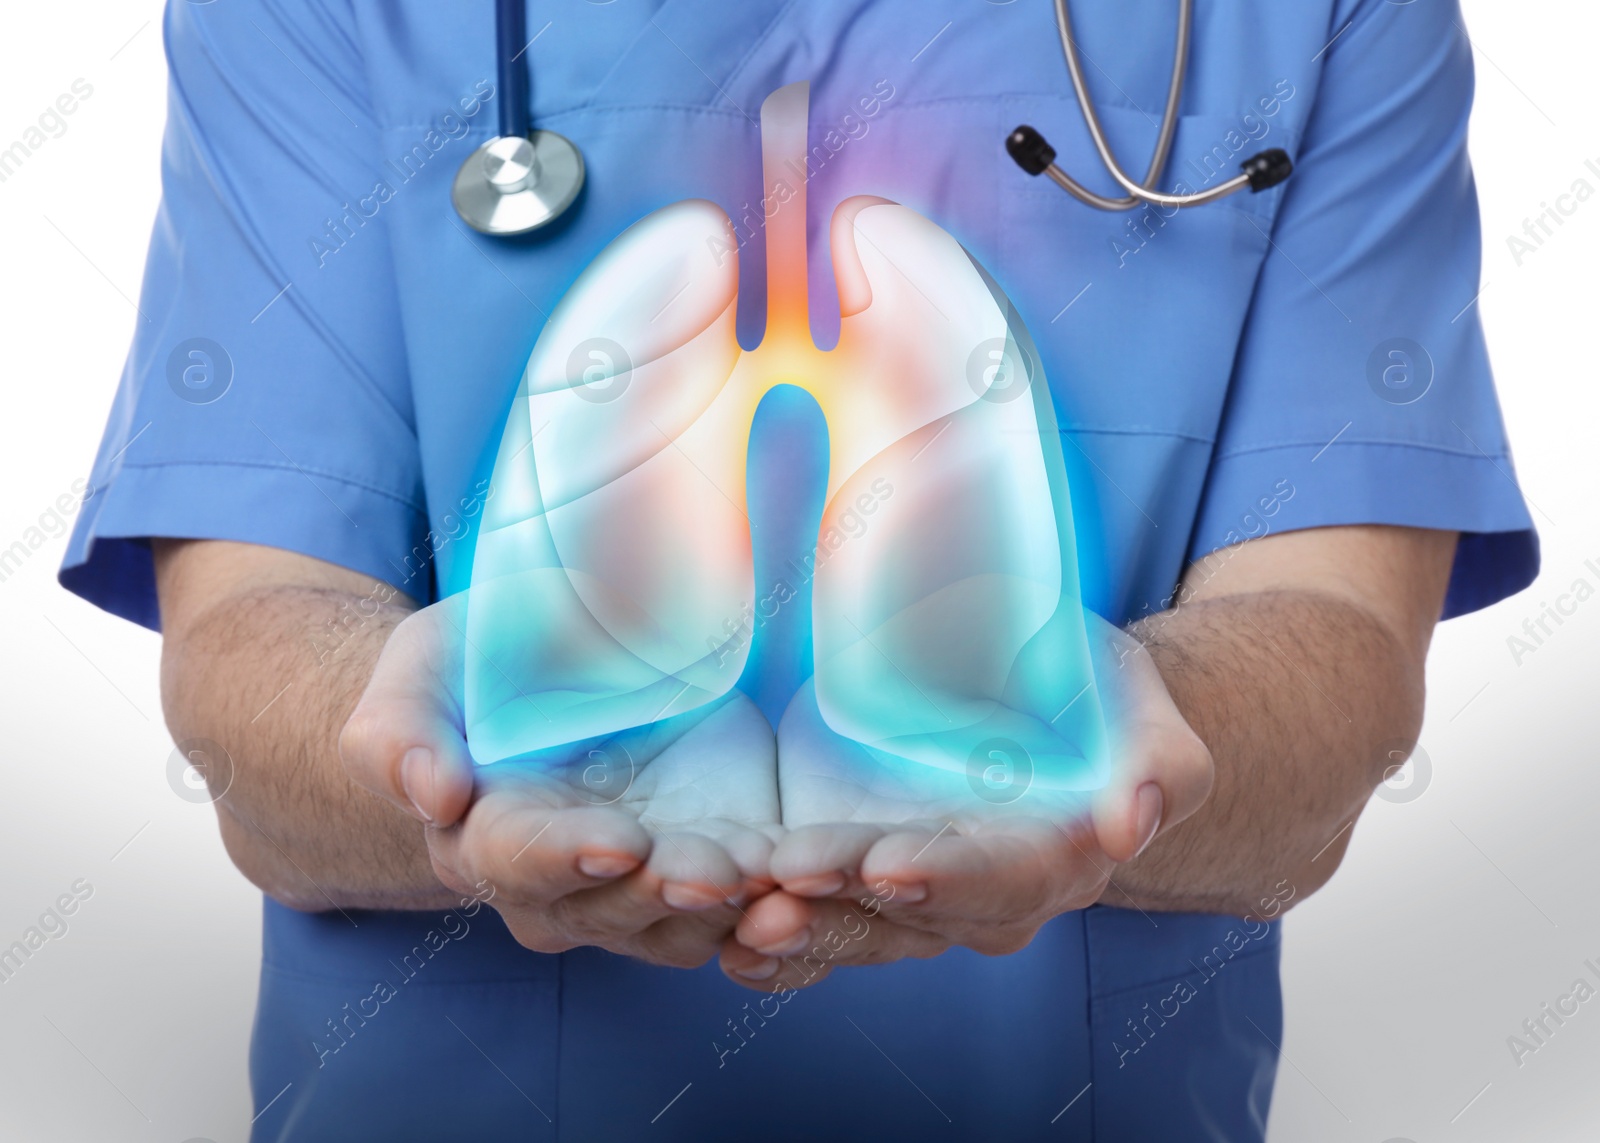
1455,917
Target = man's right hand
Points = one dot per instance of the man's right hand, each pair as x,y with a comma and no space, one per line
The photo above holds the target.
646,844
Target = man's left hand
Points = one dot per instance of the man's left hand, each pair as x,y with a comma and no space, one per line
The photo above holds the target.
881,863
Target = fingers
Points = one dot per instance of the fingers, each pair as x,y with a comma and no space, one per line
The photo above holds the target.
562,876
1013,866
404,741
816,861
695,872
675,910
824,935
1163,771
566,876
777,925
1021,869
931,884
536,853
631,917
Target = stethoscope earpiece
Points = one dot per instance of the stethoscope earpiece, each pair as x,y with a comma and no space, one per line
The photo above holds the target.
1267,169
1029,149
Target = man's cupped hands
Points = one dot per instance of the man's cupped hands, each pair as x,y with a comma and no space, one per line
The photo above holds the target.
788,855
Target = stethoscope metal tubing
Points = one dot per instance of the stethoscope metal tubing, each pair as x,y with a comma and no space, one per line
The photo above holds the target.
1036,156
1169,116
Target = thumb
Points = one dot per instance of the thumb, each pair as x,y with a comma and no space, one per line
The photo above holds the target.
404,741
1161,771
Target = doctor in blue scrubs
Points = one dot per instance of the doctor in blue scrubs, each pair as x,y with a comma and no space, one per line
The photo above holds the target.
1286,458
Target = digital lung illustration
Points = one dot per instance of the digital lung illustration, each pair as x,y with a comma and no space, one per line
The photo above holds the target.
617,544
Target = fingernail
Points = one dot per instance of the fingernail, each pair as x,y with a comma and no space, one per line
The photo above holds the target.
416,773
605,864
1150,805
761,970
794,946
910,894
818,885
690,898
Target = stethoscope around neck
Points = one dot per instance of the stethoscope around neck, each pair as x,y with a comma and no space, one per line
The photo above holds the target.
1030,151
524,178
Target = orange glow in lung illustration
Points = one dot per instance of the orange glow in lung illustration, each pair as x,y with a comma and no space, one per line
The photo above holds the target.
618,540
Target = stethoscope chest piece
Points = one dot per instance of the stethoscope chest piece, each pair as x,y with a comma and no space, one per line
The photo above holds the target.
516,184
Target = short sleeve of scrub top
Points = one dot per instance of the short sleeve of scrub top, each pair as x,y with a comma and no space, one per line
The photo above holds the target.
266,398
1362,393
324,354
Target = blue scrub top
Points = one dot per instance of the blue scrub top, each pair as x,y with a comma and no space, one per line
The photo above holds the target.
325,357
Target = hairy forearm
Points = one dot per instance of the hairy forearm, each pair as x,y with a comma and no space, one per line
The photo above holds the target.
1295,693
271,674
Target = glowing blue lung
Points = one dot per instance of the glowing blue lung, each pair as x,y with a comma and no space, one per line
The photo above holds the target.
616,552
